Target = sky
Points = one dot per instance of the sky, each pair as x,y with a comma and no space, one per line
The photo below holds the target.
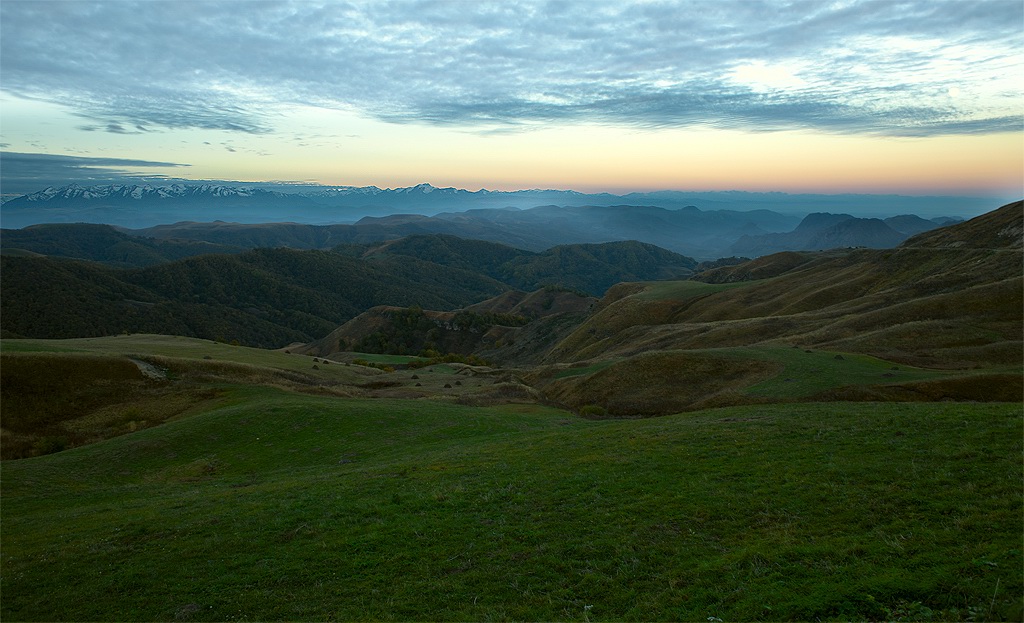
803,96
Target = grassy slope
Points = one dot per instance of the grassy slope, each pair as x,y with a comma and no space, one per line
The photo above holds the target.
66,393
278,505
146,345
949,298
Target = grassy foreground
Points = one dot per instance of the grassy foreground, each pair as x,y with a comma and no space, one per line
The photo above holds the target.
277,505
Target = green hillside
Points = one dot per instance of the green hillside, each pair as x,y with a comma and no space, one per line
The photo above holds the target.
273,297
274,505
591,268
263,297
956,305
105,244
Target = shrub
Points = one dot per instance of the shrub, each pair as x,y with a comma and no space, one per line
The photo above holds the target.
49,445
593,411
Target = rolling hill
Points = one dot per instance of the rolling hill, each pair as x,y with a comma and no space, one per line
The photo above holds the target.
515,325
967,275
948,299
273,297
104,244
591,268
266,297
249,484
820,231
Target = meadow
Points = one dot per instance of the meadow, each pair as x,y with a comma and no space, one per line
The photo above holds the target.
269,503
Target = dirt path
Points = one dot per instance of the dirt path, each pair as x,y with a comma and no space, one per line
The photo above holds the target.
149,370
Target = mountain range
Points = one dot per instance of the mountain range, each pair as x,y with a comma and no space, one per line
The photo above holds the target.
705,235
529,219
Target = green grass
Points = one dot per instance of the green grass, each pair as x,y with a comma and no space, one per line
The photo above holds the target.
277,505
805,373
182,348
680,290
802,374
584,370
34,346
385,359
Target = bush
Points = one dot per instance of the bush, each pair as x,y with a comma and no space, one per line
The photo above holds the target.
49,445
593,411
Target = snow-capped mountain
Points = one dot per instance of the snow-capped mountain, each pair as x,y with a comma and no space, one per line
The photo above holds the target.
132,205
74,192
145,205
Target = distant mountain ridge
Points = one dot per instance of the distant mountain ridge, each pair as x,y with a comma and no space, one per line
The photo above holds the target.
320,217
821,230
349,203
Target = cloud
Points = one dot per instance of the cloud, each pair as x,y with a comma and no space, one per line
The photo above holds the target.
114,128
22,173
849,67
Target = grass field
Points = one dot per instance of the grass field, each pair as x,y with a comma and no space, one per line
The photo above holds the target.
277,505
805,373
229,495
177,347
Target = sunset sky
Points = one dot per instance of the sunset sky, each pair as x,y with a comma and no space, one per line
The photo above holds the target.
834,97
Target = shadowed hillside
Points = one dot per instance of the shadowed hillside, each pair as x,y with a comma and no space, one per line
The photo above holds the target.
512,327
951,297
264,297
820,231
105,244
592,268
272,297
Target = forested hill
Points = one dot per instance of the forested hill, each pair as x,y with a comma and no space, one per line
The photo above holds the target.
264,297
106,244
590,268
272,297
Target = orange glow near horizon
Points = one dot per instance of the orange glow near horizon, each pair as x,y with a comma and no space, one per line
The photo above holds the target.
610,160
617,161
347,149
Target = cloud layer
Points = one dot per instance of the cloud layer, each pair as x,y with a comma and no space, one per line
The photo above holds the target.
850,67
25,173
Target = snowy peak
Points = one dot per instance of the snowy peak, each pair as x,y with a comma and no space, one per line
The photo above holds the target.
74,192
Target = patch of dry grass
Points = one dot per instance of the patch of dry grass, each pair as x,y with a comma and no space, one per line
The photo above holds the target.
52,402
661,383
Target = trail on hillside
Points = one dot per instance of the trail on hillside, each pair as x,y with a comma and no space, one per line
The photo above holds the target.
149,370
